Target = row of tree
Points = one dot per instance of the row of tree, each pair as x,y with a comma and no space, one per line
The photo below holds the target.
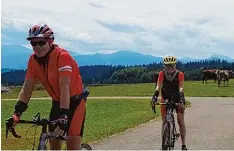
106,74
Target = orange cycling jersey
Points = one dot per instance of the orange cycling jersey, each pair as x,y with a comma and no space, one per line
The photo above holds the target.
58,63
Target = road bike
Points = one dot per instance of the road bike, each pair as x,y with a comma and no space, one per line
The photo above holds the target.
44,136
169,133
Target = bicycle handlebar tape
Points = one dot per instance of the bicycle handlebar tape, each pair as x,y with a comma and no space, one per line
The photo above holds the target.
20,107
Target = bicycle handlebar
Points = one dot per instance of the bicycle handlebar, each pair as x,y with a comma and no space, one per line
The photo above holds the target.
36,121
167,102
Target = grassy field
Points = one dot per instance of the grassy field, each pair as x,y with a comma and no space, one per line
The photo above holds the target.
104,118
192,89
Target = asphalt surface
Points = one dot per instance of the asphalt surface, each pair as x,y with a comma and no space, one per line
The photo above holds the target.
209,123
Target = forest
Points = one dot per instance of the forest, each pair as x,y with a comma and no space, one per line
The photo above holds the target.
107,74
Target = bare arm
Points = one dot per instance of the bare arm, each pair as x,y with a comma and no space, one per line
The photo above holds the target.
181,86
64,83
181,82
159,84
26,90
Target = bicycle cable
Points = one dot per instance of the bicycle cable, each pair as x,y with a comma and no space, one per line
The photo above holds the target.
34,136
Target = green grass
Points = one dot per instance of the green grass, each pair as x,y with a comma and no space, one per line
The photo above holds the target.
104,118
192,89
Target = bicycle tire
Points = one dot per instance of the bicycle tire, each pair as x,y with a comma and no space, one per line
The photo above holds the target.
85,146
174,134
166,140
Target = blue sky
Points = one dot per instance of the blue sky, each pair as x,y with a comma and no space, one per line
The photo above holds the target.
185,28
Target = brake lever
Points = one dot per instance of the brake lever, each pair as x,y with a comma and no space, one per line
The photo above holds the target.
152,103
153,109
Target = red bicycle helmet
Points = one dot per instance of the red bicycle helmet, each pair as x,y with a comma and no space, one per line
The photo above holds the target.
40,31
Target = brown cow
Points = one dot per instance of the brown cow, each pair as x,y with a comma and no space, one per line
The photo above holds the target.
231,74
222,75
209,74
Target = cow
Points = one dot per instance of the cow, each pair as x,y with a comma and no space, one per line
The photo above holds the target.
222,75
209,74
231,74
4,89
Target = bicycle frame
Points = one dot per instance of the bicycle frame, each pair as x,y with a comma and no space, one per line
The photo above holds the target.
43,137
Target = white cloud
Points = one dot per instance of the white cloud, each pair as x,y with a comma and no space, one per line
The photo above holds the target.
186,28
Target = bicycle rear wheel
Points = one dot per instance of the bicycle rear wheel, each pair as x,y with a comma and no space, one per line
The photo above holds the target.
167,137
85,147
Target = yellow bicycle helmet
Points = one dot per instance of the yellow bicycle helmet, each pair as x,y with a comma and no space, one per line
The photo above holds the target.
169,60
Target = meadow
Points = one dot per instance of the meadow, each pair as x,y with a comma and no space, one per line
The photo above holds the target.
191,89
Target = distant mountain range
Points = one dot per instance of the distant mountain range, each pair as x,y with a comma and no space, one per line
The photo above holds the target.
16,57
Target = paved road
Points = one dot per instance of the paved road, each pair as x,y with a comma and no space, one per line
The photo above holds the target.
210,126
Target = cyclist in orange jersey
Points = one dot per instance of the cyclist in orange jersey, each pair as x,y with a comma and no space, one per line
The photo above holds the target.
59,73
171,83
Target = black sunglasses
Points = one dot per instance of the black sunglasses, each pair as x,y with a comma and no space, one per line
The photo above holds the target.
169,65
39,43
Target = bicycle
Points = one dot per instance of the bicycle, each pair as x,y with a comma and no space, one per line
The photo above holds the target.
44,136
170,134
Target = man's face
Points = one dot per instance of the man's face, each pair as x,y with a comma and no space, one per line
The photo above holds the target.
170,68
40,46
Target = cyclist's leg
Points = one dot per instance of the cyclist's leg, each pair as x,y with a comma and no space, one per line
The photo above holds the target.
181,123
55,144
76,127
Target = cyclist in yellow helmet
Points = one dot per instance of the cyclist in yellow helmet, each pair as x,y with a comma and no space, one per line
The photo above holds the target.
171,83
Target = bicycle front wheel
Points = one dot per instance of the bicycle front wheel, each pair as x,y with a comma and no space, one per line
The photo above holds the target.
85,147
167,137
